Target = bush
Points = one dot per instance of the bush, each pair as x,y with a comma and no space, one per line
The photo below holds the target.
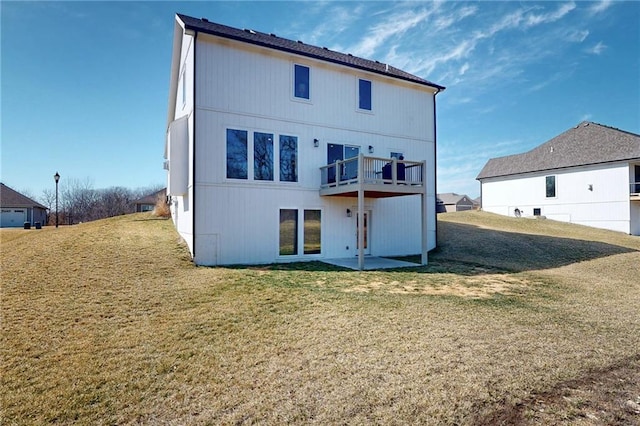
162,207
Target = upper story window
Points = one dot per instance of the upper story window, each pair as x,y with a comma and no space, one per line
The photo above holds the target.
288,158
183,77
255,156
551,186
301,82
237,154
364,94
262,156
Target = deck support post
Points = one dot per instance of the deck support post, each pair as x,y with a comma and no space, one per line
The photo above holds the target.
360,215
424,217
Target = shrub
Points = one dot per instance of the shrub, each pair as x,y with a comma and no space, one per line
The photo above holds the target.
161,208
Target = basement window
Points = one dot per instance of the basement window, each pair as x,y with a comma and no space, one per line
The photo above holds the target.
288,232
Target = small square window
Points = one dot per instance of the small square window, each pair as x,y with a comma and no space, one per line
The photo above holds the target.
364,94
301,82
536,211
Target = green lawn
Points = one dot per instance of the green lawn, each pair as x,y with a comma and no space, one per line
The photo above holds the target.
514,321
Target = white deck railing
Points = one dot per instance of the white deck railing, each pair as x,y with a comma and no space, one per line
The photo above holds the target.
372,170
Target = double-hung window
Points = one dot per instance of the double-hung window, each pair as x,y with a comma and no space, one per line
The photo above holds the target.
301,77
364,94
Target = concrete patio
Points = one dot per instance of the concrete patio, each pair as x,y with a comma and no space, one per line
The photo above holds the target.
370,263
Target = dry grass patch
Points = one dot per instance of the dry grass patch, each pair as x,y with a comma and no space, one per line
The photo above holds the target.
110,323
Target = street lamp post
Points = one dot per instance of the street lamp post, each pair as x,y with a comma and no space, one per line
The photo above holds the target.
57,178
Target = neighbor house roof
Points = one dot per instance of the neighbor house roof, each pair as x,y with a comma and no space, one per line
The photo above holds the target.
12,198
452,198
151,198
298,47
586,144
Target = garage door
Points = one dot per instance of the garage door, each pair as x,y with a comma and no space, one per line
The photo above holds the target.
12,217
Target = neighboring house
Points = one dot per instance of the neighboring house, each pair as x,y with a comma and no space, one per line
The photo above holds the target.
16,209
477,202
148,202
588,175
455,202
276,150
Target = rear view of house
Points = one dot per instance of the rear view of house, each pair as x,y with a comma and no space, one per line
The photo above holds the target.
17,209
588,175
278,150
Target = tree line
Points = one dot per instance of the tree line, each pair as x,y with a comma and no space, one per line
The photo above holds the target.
79,202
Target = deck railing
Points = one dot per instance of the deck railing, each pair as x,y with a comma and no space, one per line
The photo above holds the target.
372,170
634,188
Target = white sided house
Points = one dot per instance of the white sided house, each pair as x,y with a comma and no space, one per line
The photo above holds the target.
280,151
589,175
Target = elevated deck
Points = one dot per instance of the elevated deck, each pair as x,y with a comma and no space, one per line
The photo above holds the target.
377,177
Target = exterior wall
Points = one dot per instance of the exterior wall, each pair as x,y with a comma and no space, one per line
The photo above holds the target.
605,205
181,156
242,87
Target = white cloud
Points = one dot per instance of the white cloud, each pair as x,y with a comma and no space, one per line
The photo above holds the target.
395,25
600,6
577,36
544,18
597,49
444,22
464,68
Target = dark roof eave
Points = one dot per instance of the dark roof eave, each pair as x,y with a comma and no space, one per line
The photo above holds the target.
188,26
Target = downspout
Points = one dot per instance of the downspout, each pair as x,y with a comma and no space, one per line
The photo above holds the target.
193,166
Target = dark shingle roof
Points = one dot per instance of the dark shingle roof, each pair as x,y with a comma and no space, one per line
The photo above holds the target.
297,47
587,143
12,198
452,197
152,198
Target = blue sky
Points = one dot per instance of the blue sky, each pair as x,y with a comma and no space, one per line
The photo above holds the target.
85,84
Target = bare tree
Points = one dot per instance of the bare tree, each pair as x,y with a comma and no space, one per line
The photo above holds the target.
48,198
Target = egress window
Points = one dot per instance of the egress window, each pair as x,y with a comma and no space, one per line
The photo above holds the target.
301,81
364,94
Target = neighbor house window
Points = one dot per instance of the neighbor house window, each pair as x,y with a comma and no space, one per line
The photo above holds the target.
262,156
288,158
236,154
301,81
551,186
312,236
288,232
364,94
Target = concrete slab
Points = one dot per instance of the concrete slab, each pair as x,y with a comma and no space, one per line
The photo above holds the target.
370,263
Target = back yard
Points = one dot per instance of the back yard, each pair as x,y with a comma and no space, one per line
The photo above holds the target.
515,321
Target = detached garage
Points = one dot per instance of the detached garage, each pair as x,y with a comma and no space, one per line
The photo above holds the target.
16,209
